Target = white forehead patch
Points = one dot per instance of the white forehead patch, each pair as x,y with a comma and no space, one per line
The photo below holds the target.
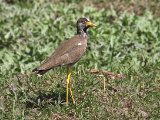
88,19
80,43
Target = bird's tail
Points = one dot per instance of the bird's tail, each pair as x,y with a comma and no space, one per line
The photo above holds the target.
39,72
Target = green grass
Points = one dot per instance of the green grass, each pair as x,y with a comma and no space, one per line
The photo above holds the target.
124,42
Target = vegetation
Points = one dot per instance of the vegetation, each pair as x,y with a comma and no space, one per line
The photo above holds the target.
126,41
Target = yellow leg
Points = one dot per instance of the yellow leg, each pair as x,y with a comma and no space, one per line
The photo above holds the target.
72,94
68,83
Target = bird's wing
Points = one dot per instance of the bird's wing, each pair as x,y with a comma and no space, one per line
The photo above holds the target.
67,53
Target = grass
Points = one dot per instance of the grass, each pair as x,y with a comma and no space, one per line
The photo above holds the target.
126,41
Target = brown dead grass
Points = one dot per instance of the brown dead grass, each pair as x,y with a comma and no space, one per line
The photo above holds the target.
131,6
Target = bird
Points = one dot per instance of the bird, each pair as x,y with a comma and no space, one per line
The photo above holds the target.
68,53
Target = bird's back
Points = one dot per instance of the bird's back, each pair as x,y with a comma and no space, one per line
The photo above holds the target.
69,52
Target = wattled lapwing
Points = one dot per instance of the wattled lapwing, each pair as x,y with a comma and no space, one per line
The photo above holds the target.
68,53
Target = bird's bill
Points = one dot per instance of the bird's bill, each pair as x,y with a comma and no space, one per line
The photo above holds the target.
90,24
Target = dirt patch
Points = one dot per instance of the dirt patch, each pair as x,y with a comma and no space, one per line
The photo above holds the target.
133,6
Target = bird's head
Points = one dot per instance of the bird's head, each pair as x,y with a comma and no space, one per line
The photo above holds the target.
83,24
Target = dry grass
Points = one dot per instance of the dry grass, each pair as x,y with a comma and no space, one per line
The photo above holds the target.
124,43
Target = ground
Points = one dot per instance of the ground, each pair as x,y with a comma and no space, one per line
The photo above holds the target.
125,42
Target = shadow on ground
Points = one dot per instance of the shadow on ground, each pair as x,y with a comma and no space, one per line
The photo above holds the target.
44,99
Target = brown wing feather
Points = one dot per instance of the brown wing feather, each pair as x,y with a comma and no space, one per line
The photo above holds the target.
68,52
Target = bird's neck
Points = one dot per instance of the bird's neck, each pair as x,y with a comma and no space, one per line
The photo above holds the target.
82,33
